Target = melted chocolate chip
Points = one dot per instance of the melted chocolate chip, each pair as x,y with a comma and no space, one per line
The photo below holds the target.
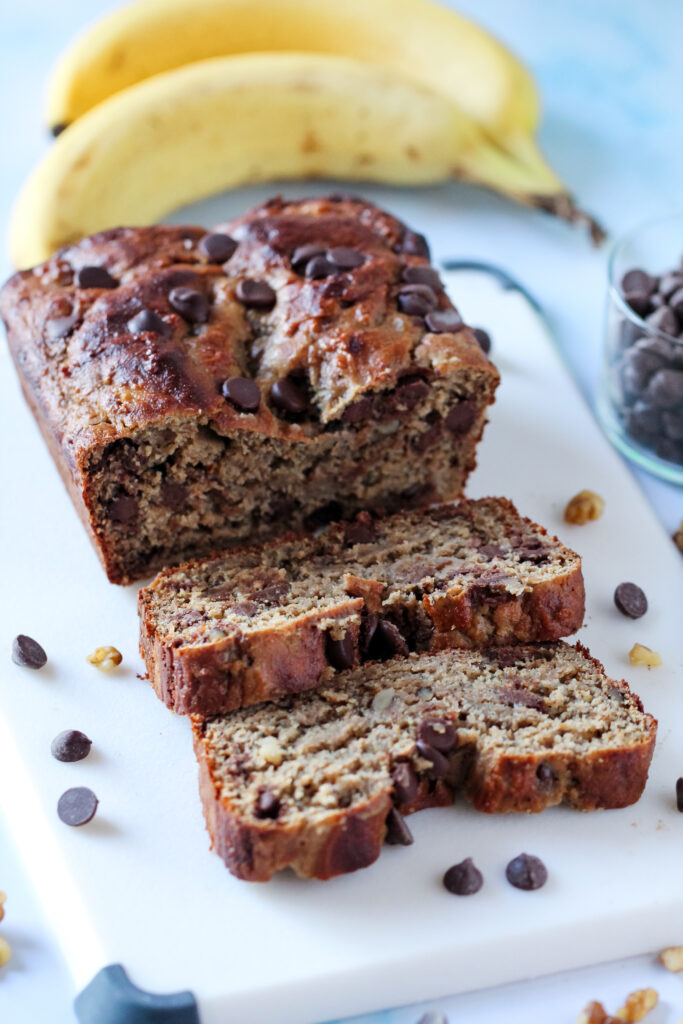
289,396
483,339
444,321
77,806
463,879
546,776
255,294
387,642
439,763
526,872
173,495
340,653
267,804
414,245
358,411
95,277
409,392
70,745
27,652
243,393
405,783
148,321
398,833
361,530
123,510
438,733
190,303
461,417
217,247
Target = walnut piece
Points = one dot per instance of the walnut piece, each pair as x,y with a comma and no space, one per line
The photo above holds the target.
105,658
672,958
5,952
584,507
595,1013
638,1004
271,751
642,655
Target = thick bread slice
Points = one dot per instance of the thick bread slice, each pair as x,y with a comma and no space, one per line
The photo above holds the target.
308,782
259,623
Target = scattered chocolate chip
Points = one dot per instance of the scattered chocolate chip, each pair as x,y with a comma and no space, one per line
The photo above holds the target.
546,776
217,247
358,411
414,244
405,783
304,253
340,653
148,321
173,495
267,804
416,299
27,652
344,258
638,281
439,763
319,267
630,600
243,393
461,417
123,510
289,396
398,833
679,794
526,872
463,879
387,641
190,303
77,806
70,745
437,733
255,294
483,339
422,275
95,277
443,321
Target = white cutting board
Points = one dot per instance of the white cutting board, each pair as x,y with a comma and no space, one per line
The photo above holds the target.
139,886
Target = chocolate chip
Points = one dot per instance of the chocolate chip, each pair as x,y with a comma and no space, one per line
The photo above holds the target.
344,258
433,1017
444,321
405,783
361,530
77,806
492,551
387,641
638,281
329,513
148,321
670,283
676,302
416,299
123,510
630,600
408,393
422,275
243,393
27,652
319,267
289,396
483,339
526,872
642,421
439,763
673,425
70,745
679,794
664,320
463,879
355,345
95,277
665,389
340,653
437,733
546,776
358,411
398,833
461,417
173,495
217,247
267,804
255,294
304,253
638,301
414,245
190,303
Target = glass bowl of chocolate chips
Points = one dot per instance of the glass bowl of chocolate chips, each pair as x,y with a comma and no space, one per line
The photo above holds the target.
641,394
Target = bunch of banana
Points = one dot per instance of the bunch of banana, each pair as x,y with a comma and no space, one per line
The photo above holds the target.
168,101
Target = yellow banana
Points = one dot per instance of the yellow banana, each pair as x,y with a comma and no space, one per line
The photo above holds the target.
420,40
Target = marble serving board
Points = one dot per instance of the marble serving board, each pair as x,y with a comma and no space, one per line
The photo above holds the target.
138,886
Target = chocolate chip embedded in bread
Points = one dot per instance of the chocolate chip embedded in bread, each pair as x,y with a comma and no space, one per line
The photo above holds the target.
217,247
173,495
27,652
526,872
255,294
416,299
94,277
438,733
77,806
361,530
387,641
439,765
123,510
243,393
398,833
483,339
444,321
405,783
340,653
546,776
414,244
630,600
267,804
358,411
289,396
421,274
344,258
148,321
463,879
461,417
319,267
191,304
303,254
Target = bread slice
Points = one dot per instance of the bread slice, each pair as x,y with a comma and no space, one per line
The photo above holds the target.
259,623
317,781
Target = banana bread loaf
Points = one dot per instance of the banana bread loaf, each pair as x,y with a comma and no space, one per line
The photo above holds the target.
317,781
287,369
259,623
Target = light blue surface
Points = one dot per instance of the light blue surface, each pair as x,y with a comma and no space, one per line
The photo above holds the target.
612,81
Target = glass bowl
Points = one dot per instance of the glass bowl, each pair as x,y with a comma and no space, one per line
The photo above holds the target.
640,401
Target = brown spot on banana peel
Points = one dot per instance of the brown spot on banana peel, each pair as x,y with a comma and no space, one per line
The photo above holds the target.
563,206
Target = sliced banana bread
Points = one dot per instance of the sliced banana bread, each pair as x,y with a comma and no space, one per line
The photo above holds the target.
259,623
197,389
318,781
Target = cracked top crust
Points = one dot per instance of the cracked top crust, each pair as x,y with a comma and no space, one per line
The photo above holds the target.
341,336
